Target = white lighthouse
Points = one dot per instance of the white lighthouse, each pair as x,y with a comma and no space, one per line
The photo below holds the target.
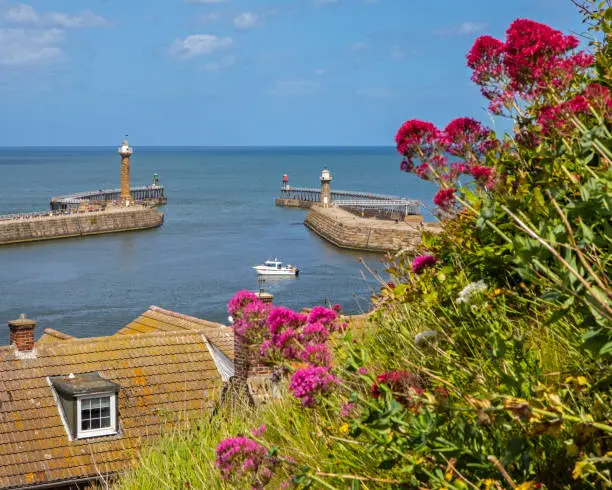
326,179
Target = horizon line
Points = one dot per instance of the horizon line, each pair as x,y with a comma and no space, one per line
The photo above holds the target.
197,146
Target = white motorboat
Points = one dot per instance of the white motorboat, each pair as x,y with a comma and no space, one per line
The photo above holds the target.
276,268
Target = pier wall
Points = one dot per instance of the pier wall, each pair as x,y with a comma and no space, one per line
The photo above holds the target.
346,230
285,202
78,224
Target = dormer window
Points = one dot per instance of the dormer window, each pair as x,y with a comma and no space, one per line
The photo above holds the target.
87,403
95,416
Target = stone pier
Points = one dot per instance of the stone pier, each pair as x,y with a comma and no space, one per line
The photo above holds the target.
37,228
347,230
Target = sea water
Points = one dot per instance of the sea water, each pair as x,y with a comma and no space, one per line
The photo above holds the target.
219,222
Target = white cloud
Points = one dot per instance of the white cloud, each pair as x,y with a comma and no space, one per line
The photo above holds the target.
223,63
463,29
245,20
295,87
21,14
23,47
84,19
358,46
25,14
199,44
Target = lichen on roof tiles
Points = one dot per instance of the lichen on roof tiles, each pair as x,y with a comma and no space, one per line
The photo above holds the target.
163,376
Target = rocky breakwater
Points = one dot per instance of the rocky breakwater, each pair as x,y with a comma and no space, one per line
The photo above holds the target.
18,229
346,230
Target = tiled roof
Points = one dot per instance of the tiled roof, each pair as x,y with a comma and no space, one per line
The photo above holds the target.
157,319
163,375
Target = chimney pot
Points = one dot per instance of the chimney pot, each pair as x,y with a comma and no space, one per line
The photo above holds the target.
22,333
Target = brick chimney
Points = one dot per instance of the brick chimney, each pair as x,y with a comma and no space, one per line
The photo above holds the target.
247,361
22,333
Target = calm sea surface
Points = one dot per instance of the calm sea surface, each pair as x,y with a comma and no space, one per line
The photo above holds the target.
220,221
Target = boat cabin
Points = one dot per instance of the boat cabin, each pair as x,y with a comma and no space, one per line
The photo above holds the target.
274,264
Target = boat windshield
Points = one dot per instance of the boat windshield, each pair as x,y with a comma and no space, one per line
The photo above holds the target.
272,263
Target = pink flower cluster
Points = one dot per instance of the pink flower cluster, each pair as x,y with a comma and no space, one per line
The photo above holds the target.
467,138
406,387
241,459
284,335
240,300
347,410
445,198
249,315
557,118
421,262
308,382
416,136
295,336
534,59
463,137
599,99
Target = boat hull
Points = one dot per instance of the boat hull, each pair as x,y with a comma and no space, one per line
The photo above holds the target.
276,272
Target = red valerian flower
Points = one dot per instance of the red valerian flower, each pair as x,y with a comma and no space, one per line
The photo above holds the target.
308,382
421,262
465,137
599,97
481,173
536,56
347,410
444,198
415,135
241,460
485,59
557,118
240,300
423,171
405,386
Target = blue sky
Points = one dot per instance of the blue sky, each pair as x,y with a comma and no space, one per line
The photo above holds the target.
243,72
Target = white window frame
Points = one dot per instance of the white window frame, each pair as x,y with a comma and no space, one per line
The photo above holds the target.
106,431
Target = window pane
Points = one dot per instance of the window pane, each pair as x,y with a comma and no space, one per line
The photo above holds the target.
95,413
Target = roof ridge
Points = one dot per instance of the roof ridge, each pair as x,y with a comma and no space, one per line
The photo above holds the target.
58,334
123,338
182,316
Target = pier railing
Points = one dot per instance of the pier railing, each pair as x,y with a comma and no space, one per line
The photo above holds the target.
391,209
139,194
312,194
45,214
23,216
